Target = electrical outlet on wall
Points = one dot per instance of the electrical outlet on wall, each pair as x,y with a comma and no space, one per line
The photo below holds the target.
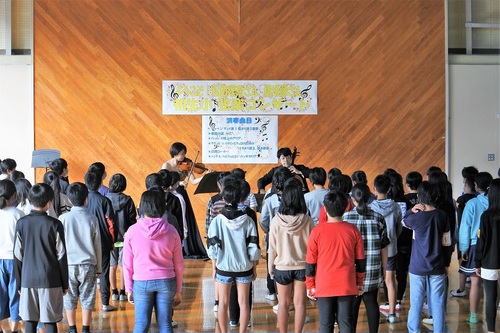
491,157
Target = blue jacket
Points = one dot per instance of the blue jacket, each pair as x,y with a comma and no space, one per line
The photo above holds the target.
471,217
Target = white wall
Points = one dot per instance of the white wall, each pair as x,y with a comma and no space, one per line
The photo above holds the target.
474,120
16,114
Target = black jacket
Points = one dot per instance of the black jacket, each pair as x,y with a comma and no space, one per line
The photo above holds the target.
101,207
40,259
268,177
125,213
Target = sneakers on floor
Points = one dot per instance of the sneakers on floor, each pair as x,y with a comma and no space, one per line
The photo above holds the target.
174,324
391,319
276,307
115,297
425,306
458,293
428,321
307,320
216,307
123,298
108,307
233,323
270,297
385,307
472,320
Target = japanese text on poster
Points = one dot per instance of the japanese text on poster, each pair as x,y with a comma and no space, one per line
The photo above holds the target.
239,139
236,97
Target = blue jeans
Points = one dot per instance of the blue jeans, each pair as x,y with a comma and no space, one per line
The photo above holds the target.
436,286
9,297
158,294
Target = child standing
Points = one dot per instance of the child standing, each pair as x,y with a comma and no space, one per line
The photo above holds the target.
467,239
9,215
125,216
431,254
373,230
84,257
101,207
335,248
391,212
288,236
232,246
40,244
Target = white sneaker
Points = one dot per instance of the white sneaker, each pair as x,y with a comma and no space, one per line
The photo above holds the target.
123,298
270,297
425,306
233,323
428,321
276,307
216,307
458,293
385,307
307,320
391,319
108,307
115,297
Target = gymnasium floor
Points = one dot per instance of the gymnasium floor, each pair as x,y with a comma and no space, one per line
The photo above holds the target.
195,314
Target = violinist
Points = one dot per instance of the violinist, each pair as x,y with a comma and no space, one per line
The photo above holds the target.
182,165
286,160
193,245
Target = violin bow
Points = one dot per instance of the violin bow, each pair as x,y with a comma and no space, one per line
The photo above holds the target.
192,167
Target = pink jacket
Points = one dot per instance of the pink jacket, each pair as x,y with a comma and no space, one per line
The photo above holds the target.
152,251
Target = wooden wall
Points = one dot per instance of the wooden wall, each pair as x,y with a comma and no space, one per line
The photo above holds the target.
380,68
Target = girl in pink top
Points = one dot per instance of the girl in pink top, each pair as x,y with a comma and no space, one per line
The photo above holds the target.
153,265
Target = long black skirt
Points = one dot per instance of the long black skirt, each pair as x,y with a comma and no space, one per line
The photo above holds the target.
194,247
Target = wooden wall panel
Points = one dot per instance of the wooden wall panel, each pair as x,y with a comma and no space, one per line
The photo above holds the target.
379,64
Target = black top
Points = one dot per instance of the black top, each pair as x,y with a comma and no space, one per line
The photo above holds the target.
102,208
268,177
487,246
40,259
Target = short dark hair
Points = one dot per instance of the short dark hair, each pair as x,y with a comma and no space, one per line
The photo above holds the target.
335,202
470,181
285,151
117,183
166,177
152,203
279,177
77,192
413,179
318,176
8,164
98,168
382,183
333,172
469,171
341,183
40,195
239,173
93,180
427,194
245,190
292,199
58,165
175,178
154,181
221,176
232,194
359,176
432,169
176,148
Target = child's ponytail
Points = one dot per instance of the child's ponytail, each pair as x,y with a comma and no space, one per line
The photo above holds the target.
7,191
361,193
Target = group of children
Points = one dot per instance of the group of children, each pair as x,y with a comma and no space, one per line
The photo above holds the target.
57,238
365,238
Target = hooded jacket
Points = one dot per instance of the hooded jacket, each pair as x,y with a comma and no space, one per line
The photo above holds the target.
391,212
288,236
152,251
125,213
233,243
471,218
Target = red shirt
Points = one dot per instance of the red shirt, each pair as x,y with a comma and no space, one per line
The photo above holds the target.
334,247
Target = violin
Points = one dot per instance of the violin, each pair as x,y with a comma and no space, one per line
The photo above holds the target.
188,165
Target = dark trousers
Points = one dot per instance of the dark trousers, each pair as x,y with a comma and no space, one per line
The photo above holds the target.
490,303
234,306
104,285
402,273
339,307
372,311
30,327
271,286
